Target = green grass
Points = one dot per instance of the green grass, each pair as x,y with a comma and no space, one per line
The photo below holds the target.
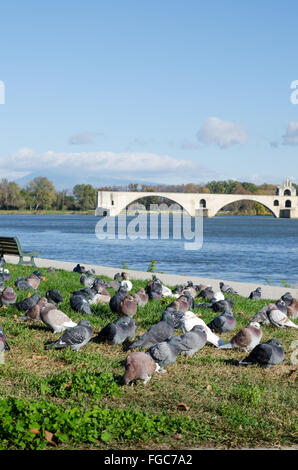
79,397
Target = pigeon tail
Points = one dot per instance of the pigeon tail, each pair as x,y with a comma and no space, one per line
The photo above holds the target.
226,346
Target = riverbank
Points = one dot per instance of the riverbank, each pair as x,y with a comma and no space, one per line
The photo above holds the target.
243,288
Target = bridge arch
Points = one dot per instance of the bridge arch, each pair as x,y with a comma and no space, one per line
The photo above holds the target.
173,198
274,209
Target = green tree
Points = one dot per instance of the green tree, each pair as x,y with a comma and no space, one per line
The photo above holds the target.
42,192
85,196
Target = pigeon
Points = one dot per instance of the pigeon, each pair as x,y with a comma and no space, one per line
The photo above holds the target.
99,285
265,354
166,291
223,323
190,319
128,306
101,295
207,292
79,303
256,294
117,332
139,366
172,313
86,292
165,353
34,312
34,280
79,269
29,302
262,315
246,338
22,284
54,297
154,289
280,319
226,305
193,340
158,333
117,277
55,319
75,337
2,261
291,304
5,273
86,280
51,270
117,299
2,283
3,343
227,289
218,296
114,285
127,284
178,290
142,297
8,297
183,303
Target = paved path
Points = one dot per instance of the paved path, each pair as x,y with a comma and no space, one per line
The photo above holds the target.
244,288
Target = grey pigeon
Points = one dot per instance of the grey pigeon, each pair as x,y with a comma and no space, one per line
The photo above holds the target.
165,353
265,354
114,285
174,314
2,283
117,277
223,323
3,343
246,338
2,261
75,337
117,332
55,319
117,299
54,297
139,366
28,303
79,303
207,292
22,284
291,304
8,297
158,333
86,280
193,340
262,315
154,289
227,289
256,294
6,274
79,269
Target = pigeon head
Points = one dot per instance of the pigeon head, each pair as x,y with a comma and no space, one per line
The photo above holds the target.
124,275
287,298
281,305
37,274
274,342
85,323
255,324
221,284
259,289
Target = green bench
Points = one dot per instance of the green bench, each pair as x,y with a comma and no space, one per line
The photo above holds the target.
12,246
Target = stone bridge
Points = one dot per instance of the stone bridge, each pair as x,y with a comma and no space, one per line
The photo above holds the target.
284,204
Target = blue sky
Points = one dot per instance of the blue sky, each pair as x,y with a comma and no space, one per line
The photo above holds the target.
153,91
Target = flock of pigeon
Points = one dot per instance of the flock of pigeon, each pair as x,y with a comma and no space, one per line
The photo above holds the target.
163,346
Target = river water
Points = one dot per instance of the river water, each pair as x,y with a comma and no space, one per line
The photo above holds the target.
238,248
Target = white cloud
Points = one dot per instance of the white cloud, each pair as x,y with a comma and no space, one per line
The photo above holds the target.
291,135
222,133
83,138
141,165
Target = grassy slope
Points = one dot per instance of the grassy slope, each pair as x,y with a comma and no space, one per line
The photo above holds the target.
237,407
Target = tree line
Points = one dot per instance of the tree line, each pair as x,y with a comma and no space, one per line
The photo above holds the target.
41,194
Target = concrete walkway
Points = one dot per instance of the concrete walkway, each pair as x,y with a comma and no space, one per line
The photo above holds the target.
243,288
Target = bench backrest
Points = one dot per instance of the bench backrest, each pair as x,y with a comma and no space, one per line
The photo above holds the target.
10,245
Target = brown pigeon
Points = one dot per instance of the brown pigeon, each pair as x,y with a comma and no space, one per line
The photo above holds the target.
128,306
246,338
139,366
